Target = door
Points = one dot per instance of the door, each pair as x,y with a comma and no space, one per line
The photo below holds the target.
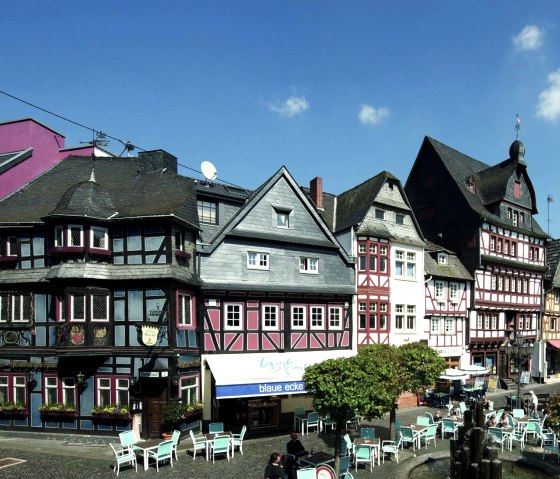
156,396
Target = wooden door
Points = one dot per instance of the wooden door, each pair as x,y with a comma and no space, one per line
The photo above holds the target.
156,397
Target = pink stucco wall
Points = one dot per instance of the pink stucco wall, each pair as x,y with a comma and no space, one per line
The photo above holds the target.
47,144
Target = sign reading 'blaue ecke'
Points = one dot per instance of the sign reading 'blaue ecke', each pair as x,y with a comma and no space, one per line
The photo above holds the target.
260,389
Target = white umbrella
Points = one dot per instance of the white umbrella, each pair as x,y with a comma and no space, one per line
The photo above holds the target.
474,369
454,374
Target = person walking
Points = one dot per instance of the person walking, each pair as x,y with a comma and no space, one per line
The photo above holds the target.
534,412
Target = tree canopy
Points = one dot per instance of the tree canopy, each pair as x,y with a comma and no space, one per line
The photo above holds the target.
369,383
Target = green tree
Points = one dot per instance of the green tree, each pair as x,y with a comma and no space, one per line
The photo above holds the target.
369,383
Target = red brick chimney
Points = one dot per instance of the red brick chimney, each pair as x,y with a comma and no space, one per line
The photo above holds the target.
316,187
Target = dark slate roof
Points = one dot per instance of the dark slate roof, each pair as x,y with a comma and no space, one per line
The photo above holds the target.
454,269
352,205
344,289
9,160
211,188
553,262
490,181
121,187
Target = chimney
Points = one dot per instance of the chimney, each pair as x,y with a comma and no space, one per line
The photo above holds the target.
157,160
316,187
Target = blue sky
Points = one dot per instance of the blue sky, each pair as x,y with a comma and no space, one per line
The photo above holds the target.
337,89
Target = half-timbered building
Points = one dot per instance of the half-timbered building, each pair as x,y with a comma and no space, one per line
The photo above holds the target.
97,280
448,300
551,312
374,223
277,296
487,215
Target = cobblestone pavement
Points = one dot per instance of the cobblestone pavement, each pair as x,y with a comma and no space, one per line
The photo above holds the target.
70,457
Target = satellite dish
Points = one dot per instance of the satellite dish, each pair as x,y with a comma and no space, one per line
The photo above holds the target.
208,170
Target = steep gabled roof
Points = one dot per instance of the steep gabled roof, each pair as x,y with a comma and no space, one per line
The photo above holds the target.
453,269
553,262
491,181
234,226
352,205
119,188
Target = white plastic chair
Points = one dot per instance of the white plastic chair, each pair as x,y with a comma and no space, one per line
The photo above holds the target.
390,447
175,439
199,444
237,440
518,435
124,456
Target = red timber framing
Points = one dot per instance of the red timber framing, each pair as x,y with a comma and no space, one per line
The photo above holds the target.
241,322
373,288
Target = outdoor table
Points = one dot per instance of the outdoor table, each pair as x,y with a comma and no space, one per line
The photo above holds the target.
418,431
146,446
317,459
508,431
374,443
210,440
300,418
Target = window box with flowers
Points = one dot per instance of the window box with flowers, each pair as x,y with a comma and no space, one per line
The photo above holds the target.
113,412
9,408
193,409
58,410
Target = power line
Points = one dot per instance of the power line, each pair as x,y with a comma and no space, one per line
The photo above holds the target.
127,144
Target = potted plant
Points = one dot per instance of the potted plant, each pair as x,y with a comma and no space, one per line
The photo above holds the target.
10,408
58,409
111,411
172,416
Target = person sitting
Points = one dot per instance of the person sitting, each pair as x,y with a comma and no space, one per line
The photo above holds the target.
485,403
491,421
503,422
295,447
274,468
437,416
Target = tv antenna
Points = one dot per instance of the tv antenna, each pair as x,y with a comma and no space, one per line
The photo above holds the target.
549,200
208,170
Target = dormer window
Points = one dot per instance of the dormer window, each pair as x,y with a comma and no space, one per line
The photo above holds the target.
379,214
399,218
75,235
70,236
442,258
282,218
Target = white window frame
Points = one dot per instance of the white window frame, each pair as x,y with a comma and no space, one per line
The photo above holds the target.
308,265
335,317
399,317
436,325
442,258
299,323
439,288
72,302
449,327
59,236
494,321
18,313
10,384
316,322
117,386
410,316
282,219
257,260
105,237
237,309
270,317
69,236
406,261
454,292
189,391
185,303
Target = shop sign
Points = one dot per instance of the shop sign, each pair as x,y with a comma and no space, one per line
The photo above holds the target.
449,351
154,374
149,334
260,389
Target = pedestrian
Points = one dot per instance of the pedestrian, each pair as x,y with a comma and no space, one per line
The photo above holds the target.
534,405
274,468
295,447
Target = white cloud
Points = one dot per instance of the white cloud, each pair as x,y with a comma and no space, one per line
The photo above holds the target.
530,38
294,105
372,116
548,106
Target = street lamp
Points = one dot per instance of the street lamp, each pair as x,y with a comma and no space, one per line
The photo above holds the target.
519,350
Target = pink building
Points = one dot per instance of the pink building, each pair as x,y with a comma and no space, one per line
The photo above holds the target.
28,148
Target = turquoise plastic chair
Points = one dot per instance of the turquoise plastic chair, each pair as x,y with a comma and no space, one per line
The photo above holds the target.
422,421
216,427
313,420
164,452
220,446
343,467
367,433
518,413
124,456
407,435
497,436
430,434
307,473
363,455
449,427
127,439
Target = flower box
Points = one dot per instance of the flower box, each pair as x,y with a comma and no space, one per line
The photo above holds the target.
101,416
59,414
192,415
13,412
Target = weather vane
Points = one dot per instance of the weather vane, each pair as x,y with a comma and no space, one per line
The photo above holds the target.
517,125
